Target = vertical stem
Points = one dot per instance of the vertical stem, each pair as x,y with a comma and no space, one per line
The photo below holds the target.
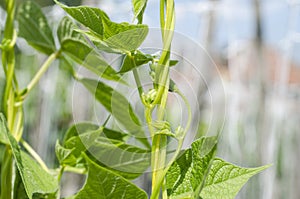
158,158
6,175
8,62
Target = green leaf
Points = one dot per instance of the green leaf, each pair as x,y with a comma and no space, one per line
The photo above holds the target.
74,45
135,60
80,128
36,180
123,36
187,175
118,106
19,189
34,27
104,184
65,156
225,179
139,7
3,137
126,160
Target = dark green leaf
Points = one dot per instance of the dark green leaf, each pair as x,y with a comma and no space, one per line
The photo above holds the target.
135,60
173,62
104,184
35,179
225,179
19,189
118,106
139,7
34,27
76,47
187,175
122,36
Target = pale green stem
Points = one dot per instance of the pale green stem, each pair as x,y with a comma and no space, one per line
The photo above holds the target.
74,170
138,82
41,72
34,155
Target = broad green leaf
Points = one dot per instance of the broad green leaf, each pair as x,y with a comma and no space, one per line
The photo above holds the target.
139,7
123,36
118,106
34,27
135,60
36,180
186,176
74,45
104,184
126,160
225,179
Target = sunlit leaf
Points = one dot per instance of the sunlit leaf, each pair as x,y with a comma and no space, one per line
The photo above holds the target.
225,179
34,27
123,36
76,47
187,175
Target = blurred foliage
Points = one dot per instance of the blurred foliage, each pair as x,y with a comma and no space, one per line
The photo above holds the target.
47,2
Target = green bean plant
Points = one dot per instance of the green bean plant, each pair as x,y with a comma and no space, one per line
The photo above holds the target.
105,154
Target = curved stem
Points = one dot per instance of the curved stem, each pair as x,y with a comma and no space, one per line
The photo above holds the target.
42,71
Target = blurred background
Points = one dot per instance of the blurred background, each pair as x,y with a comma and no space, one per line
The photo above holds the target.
246,53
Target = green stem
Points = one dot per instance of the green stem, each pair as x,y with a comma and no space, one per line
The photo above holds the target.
75,170
34,155
8,63
6,174
162,71
42,71
61,172
138,82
